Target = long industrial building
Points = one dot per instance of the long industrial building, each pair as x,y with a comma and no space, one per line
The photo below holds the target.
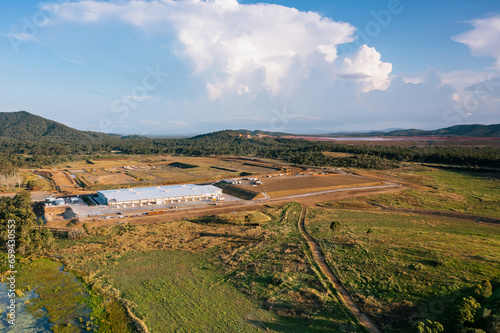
158,195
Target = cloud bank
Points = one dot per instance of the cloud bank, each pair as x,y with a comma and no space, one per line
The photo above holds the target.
260,66
242,49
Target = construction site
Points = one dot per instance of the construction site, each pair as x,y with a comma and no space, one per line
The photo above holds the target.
115,191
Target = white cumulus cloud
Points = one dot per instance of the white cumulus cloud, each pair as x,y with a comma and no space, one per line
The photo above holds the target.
484,39
366,66
240,49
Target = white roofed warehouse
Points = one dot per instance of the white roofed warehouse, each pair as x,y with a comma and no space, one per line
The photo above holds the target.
158,195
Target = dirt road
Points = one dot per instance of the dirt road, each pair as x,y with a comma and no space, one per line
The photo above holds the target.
320,260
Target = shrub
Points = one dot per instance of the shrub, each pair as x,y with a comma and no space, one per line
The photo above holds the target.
335,226
76,233
467,310
428,326
484,289
72,222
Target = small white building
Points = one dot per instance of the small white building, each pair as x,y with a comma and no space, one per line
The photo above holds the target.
158,195
60,202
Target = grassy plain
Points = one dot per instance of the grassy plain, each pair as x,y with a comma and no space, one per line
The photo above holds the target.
220,274
239,218
452,190
277,272
178,291
247,271
408,267
37,183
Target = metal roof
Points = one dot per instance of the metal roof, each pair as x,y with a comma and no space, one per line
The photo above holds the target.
158,192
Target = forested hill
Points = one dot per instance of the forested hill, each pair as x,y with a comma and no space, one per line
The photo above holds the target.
239,133
453,131
23,125
27,140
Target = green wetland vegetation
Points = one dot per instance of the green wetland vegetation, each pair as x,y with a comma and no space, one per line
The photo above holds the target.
62,302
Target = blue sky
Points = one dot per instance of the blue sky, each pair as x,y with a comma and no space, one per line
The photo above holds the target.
177,67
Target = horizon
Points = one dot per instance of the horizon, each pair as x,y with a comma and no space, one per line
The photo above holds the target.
190,135
182,68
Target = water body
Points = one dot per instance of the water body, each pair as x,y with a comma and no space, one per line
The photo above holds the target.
360,139
331,138
376,138
25,321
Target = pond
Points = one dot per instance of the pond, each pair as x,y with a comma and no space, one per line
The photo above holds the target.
25,321
59,300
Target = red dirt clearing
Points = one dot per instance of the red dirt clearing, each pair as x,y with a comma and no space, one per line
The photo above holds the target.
281,186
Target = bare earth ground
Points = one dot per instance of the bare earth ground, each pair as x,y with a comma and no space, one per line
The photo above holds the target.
58,213
108,179
60,178
282,186
136,171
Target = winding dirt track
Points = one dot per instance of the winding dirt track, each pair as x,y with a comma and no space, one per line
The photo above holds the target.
320,260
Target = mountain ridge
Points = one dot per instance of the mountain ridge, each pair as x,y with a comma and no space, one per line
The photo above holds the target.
22,125
472,130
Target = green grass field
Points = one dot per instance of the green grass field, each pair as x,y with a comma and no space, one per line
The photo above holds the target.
461,191
206,276
276,272
238,218
408,267
176,291
250,271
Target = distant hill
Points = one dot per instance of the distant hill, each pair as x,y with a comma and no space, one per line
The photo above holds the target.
453,131
239,133
23,125
216,135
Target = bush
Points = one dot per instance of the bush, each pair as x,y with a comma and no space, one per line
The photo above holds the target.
484,289
472,330
72,222
467,310
335,226
76,233
428,326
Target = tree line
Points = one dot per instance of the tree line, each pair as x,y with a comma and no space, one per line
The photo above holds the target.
39,153
28,236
